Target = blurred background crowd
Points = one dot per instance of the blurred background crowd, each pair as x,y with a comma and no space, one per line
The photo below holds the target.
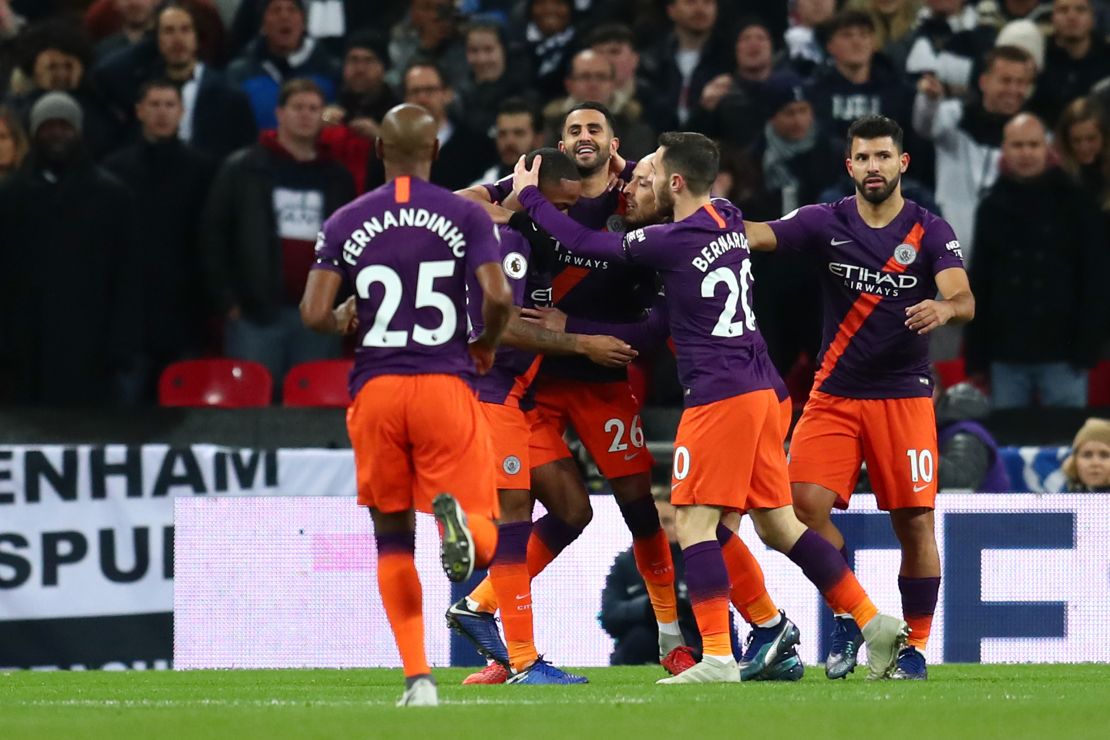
165,166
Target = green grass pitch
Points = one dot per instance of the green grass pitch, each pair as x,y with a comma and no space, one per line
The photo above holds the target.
959,701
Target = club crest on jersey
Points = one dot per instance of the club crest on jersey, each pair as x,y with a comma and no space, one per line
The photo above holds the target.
615,223
904,254
515,265
511,465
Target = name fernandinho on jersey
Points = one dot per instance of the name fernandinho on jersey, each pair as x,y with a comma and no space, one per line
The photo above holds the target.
872,281
420,218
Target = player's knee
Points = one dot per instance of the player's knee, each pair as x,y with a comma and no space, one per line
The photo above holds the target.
580,516
914,527
811,504
631,487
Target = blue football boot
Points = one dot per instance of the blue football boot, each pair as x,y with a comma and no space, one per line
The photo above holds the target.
911,665
542,672
480,628
844,648
765,646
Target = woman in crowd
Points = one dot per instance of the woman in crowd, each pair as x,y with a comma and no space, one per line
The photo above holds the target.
13,142
1088,467
1081,142
894,22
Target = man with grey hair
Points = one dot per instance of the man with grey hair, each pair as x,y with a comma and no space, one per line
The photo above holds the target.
1038,270
67,301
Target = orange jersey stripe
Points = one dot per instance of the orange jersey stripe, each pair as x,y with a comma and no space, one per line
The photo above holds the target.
716,216
860,311
402,189
565,281
522,382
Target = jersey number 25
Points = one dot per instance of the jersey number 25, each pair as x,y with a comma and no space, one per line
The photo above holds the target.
379,334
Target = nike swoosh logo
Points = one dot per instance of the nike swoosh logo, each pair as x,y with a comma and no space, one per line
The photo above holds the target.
633,456
676,485
521,597
837,243
919,489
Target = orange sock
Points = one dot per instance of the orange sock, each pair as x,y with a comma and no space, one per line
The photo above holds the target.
848,597
747,590
512,584
707,582
484,532
653,560
399,585
920,626
826,568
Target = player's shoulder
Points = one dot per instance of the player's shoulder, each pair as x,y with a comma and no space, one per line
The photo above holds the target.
928,219
821,212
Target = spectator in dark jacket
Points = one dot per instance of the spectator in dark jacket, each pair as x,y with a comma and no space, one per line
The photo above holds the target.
1040,259
136,19
491,78
169,181
856,81
1076,58
67,301
549,39
689,57
282,52
263,214
217,117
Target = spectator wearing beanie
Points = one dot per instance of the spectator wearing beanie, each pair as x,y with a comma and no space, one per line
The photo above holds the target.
1088,466
67,245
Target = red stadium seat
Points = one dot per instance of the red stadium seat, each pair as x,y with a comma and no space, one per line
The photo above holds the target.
951,371
215,382
321,383
1098,385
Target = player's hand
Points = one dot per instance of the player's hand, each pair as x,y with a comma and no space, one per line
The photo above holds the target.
605,350
551,319
346,317
928,315
524,176
333,115
617,163
930,86
482,354
365,127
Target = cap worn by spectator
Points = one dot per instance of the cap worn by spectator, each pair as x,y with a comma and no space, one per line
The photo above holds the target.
375,43
1024,34
56,106
783,88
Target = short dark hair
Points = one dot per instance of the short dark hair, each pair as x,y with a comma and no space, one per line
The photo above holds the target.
694,156
875,127
1006,53
521,106
298,86
424,62
158,83
555,167
591,105
850,18
486,24
608,33
368,40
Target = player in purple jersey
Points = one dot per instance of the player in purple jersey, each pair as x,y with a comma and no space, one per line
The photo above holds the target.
526,259
598,402
407,250
884,260
728,450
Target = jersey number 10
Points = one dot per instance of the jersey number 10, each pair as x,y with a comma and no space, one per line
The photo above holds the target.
738,299
379,334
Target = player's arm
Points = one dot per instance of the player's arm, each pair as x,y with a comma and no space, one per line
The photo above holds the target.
645,335
482,195
317,304
574,236
956,307
761,237
533,337
497,307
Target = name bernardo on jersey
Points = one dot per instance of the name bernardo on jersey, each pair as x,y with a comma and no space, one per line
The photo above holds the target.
420,218
872,281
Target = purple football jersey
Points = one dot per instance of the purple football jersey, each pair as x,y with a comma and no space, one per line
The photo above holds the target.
513,369
407,249
705,267
592,288
870,277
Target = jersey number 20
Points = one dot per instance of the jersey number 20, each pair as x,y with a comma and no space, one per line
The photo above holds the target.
737,299
379,334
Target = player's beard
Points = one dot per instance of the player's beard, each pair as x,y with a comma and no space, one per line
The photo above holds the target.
600,163
664,204
875,197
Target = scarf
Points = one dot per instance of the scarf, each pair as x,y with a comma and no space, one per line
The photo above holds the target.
776,158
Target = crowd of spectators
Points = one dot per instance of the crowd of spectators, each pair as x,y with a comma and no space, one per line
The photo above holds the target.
165,166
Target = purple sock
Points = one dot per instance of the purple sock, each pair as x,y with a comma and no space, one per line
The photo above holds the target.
512,543
844,553
819,560
396,543
706,577
641,516
919,595
554,533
